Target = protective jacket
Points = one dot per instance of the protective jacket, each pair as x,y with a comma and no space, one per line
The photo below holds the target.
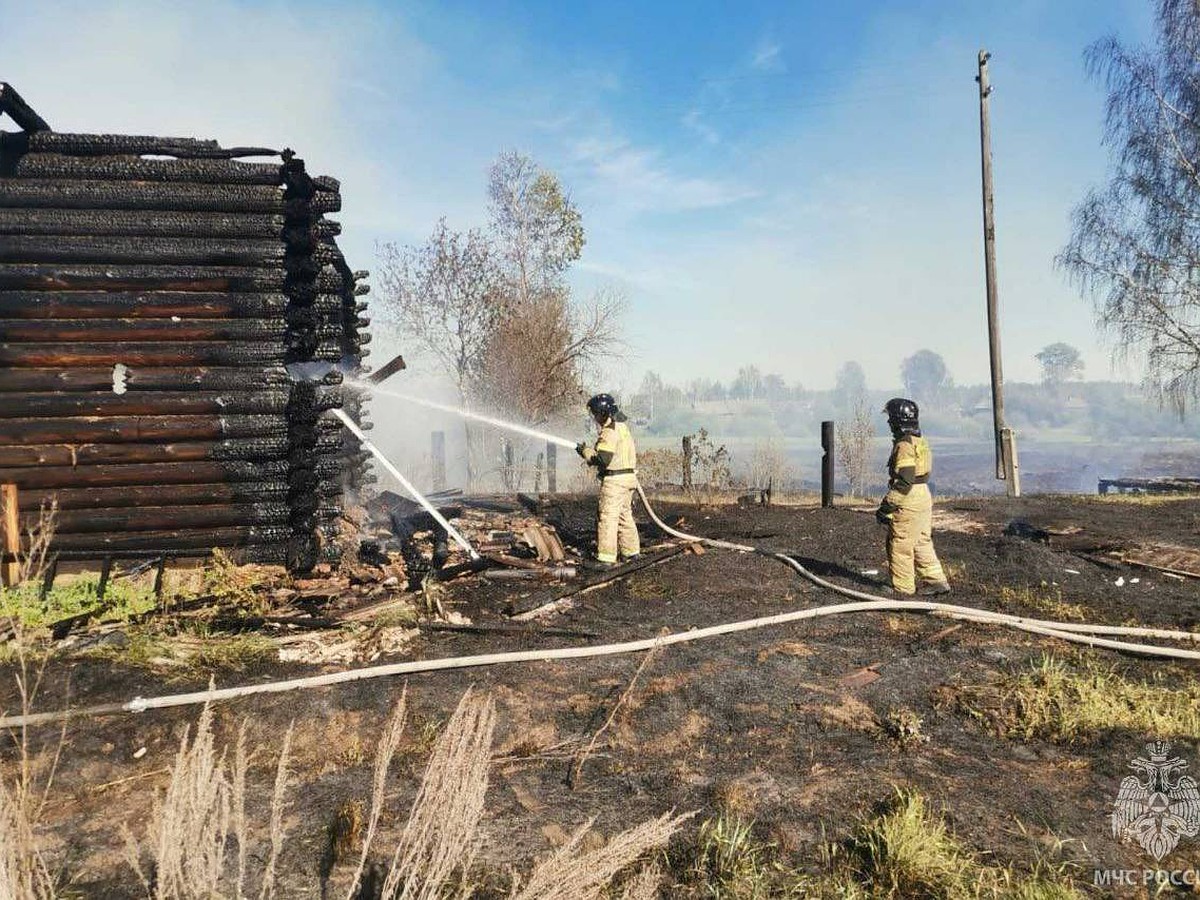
909,468
615,454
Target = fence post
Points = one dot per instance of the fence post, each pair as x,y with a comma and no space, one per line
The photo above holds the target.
10,568
537,473
438,453
509,479
687,464
551,467
827,464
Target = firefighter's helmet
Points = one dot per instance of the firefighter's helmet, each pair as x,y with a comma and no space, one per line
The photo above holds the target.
602,406
902,415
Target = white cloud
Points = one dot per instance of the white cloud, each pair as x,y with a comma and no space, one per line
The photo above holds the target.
767,56
694,121
638,179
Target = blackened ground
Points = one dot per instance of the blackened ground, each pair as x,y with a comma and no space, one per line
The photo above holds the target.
764,722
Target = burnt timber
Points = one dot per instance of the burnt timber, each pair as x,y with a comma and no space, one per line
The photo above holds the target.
154,293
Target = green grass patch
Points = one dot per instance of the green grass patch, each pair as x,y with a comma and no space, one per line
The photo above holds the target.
1046,600
1065,701
905,849
72,596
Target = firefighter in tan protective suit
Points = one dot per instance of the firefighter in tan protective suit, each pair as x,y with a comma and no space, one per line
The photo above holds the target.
907,509
615,459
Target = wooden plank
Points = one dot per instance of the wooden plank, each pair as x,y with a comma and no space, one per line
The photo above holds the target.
540,605
10,571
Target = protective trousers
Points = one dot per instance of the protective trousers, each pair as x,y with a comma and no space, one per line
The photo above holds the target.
910,543
616,530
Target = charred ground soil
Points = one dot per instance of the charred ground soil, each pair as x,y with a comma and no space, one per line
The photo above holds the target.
803,730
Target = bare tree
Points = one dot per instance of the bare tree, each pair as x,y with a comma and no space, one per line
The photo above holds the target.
1135,246
536,226
854,438
770,466
536,359
445,297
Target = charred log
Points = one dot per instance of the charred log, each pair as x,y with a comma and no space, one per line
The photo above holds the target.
98,222
73,455
199,378
38,193
154,355
207,279
158,305
121,250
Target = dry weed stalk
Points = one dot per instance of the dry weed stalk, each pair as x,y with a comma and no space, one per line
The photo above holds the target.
568,874
577,769
24,871
278,834
203,807
191,822
388,742
644,884
441,835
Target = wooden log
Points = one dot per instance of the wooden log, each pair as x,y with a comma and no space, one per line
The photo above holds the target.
159,305
194,251
207,279
165,224
200,378
77,455
155,355
10,568
132,145
160,495
37,193
132,168
139,429
52,477
14,106
155,403
164,518
155,542
24,331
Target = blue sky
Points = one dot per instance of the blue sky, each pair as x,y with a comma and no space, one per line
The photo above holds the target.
786,184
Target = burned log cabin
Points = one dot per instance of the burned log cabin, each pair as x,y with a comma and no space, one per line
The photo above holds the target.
164,305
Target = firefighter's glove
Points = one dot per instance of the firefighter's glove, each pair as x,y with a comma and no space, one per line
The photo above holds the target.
585,451
884,514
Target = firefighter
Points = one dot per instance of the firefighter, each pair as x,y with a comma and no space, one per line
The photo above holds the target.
907,509
615,459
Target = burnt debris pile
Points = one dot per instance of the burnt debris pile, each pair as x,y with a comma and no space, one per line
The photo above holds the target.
155,294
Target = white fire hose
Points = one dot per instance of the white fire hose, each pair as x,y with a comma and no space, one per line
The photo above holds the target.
1068,631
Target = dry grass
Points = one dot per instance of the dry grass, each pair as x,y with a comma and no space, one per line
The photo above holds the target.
644,885
183,854
25,872
572,874
441,836
384,753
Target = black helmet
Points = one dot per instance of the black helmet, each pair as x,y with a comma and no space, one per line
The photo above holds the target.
602,406
902,416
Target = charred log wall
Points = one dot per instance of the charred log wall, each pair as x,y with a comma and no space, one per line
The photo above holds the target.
154,296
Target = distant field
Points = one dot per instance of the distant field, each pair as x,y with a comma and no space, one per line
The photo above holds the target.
1064,464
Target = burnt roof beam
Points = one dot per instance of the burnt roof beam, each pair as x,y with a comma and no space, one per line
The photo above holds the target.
19,111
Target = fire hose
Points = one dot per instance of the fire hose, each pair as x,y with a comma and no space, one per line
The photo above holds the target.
1079,633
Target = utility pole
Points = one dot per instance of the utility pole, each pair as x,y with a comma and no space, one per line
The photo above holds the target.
1003,441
